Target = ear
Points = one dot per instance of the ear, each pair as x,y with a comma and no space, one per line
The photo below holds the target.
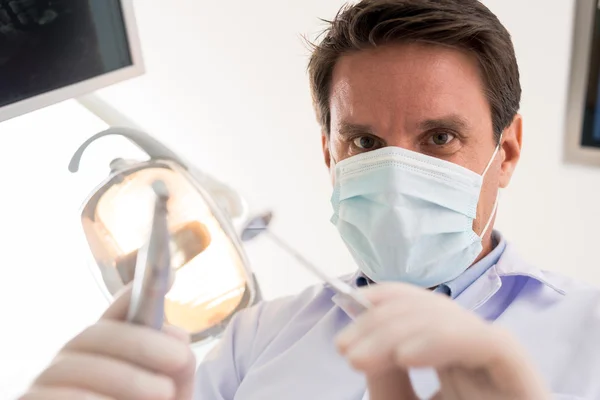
325,145
512,140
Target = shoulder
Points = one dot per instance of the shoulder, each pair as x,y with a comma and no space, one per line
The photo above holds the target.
563,337
557,319
512,265
546,305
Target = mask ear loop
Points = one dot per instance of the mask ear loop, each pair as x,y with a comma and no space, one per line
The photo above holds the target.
332,161
331,157
489,222
487,226
493,157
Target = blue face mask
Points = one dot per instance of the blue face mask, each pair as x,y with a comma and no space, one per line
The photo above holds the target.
408,217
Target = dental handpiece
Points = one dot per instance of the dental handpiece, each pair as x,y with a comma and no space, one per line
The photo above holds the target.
152,277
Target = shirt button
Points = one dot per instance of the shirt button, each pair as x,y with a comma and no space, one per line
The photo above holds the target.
361,281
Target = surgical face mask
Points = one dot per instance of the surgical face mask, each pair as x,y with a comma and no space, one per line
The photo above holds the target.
408,217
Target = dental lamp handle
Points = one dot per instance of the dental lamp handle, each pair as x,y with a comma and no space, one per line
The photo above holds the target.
232,203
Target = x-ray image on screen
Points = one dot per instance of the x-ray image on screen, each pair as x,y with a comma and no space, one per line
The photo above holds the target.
597,117
591,126
50,44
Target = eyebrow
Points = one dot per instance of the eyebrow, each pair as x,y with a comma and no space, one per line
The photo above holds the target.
349,129
452,122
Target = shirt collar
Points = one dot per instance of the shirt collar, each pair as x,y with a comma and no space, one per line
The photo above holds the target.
510,264
458,285
474,288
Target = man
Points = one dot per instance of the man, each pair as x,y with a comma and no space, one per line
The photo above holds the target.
418,102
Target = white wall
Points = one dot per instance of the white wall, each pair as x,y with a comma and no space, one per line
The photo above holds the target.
47,293
226,86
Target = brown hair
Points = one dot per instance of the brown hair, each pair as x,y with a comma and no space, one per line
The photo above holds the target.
463,24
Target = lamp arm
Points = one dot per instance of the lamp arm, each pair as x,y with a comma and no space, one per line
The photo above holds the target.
155,149
231,202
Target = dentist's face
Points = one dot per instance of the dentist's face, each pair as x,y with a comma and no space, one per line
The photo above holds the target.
427,99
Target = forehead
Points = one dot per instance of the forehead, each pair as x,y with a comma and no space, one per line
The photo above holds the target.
400,84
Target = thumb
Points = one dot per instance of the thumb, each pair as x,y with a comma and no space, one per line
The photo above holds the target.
477,346
178,333
391,384
120,305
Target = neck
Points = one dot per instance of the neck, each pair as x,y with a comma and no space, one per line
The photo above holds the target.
488,244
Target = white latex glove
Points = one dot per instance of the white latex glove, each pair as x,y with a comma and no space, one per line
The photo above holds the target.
116,360
409,327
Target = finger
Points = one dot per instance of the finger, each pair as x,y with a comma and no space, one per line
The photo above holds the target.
107,377
386,291
120,305
371,320
178,333
452,345
393,384
138,345
376,350
58,393
454,385
184,379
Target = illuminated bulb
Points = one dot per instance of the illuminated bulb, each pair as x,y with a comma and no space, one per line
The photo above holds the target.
210,280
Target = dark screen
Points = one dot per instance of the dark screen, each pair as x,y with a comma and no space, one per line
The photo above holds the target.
48,44
591,124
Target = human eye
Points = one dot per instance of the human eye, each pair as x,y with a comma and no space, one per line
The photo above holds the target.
365,143
441,143
441,139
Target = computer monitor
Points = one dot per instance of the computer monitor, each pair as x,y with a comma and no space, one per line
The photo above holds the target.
53,50
583,119
591,120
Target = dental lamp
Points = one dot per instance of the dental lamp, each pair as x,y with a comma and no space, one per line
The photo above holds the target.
212,277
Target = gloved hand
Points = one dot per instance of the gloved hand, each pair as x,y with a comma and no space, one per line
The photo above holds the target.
116,360
409,327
